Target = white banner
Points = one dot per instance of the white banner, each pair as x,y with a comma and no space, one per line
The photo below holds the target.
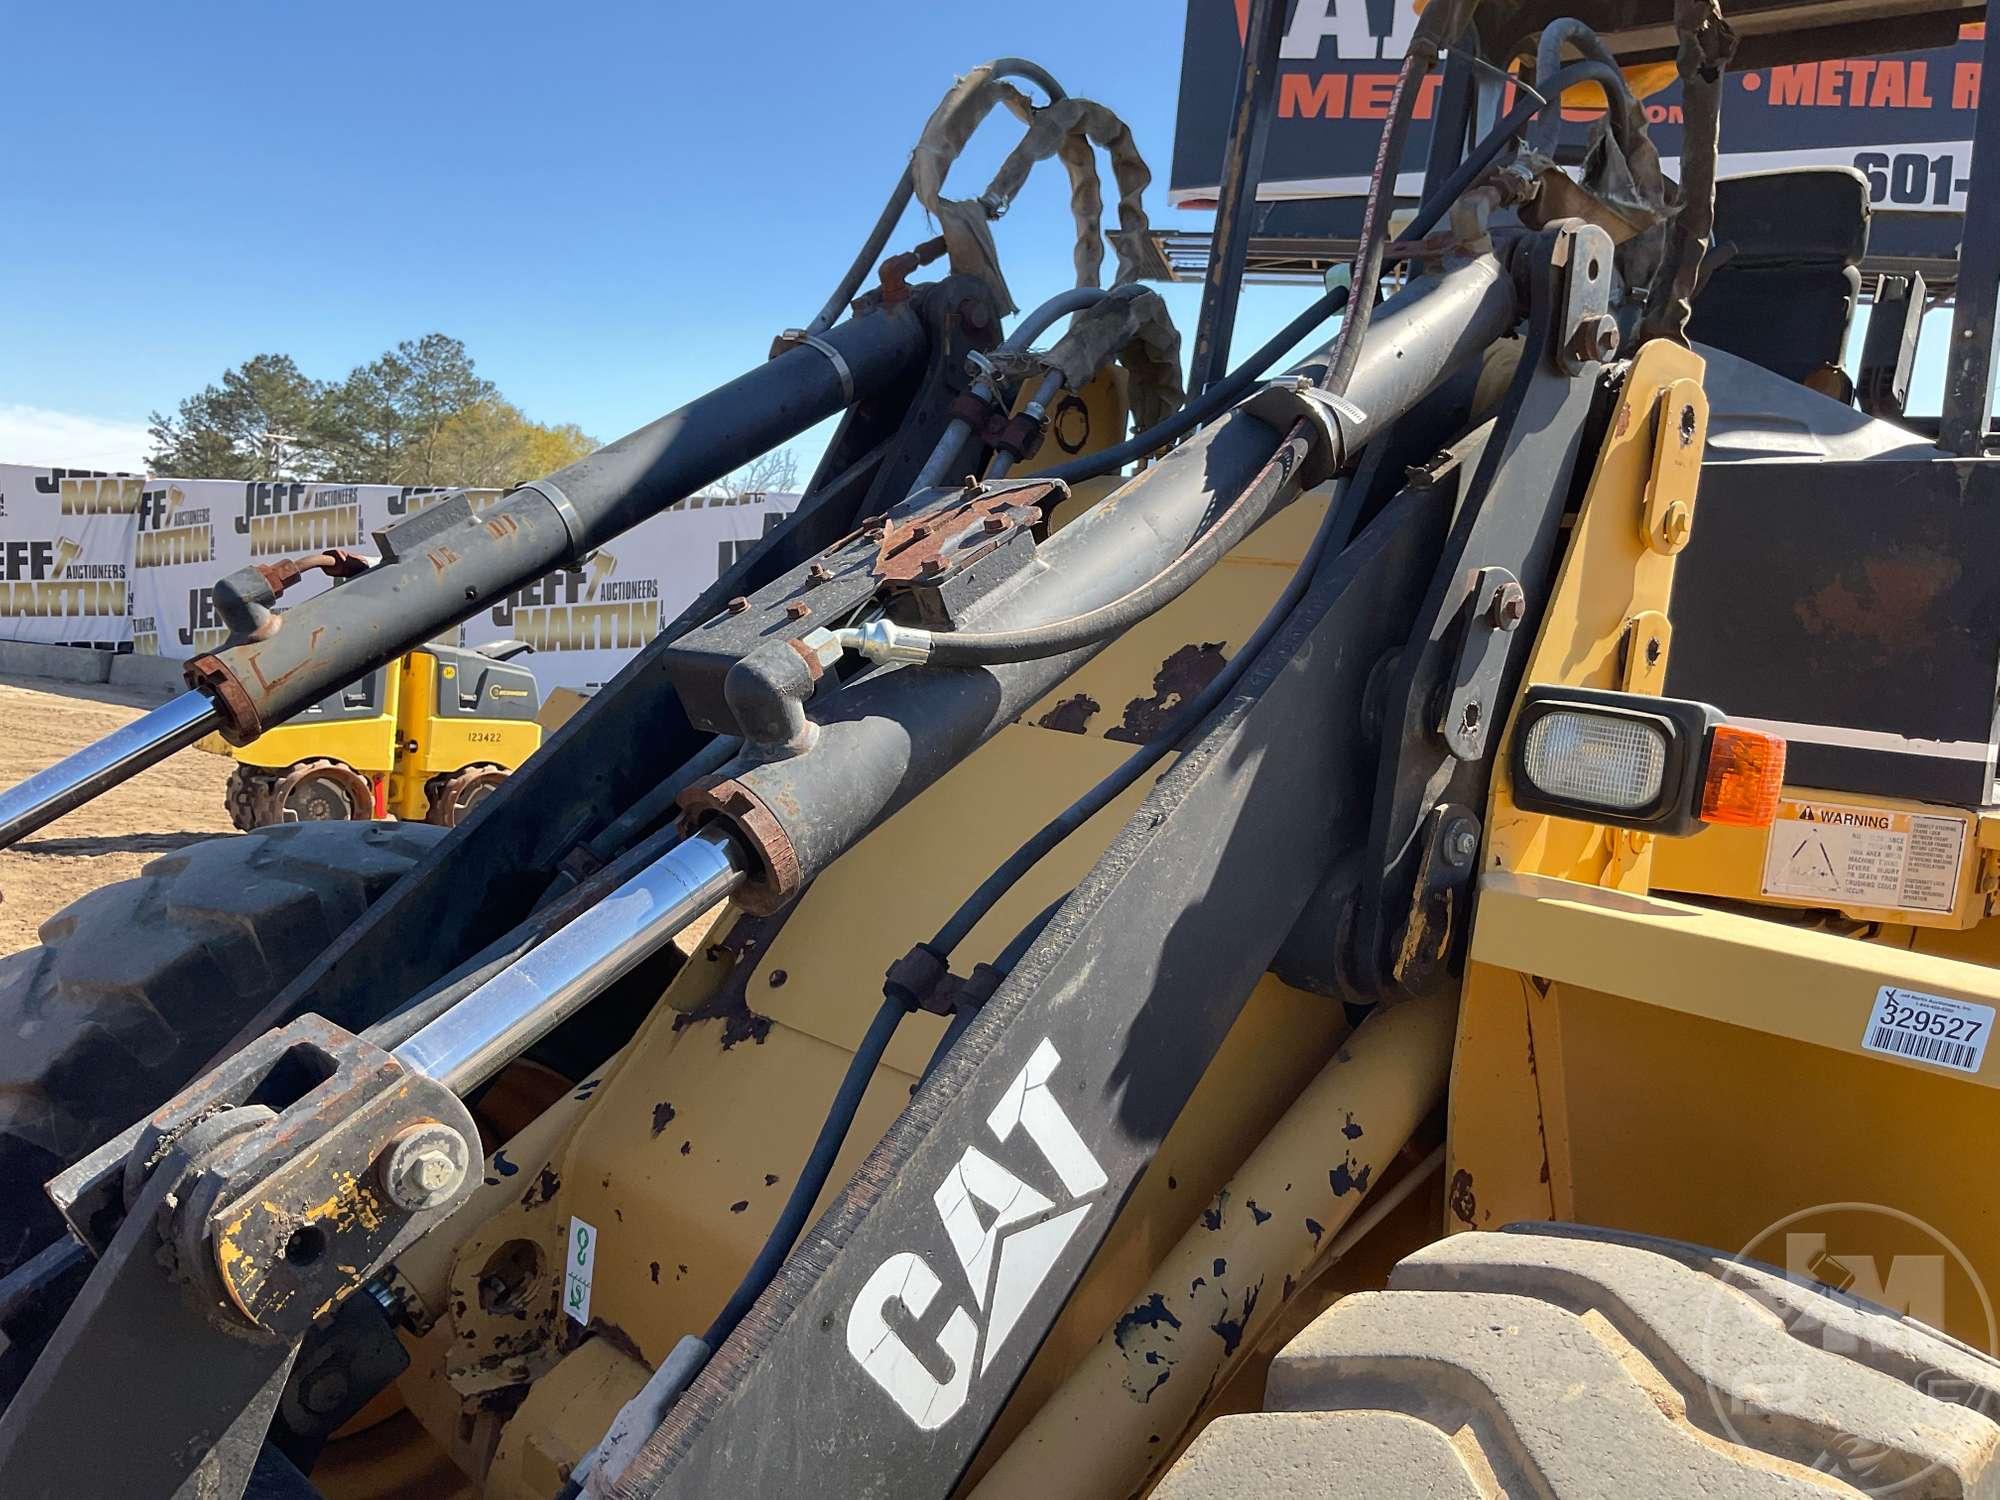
65,553
192,532
184,534
585,626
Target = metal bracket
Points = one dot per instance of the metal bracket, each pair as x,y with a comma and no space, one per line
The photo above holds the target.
1493,611
1589,334
403,540
1282,403
1680,432
1439,896
1504,531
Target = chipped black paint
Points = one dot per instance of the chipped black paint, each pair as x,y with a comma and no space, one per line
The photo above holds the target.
1230,1330
1072,715
1258,1215
1351,1130
1464,1206
503,1166
1345,1179
1136,1333
739,1205
653,1269
663,1116
729,1004
1211,1217
686,1147
1197,1284
1220,1268
1181,677
1315,1229
542,1189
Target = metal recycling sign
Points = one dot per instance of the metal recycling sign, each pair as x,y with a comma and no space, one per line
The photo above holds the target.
1904,120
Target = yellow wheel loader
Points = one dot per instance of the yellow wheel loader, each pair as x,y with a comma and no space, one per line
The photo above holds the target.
425,739
1435,939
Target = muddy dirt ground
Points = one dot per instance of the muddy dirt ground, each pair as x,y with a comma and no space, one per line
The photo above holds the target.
176,803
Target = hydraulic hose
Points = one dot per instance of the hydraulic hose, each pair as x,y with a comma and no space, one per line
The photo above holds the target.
1367,275
813,1175
1339,518
1548,63
905,189
1238,519
1212,402
979,648
1031,327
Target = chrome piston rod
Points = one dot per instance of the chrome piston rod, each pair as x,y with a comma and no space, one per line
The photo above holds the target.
524,1002
120,755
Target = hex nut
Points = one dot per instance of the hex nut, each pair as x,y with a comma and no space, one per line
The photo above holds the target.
1509,607
423,1166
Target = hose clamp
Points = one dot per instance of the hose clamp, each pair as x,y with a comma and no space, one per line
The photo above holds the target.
1281,403
550,491
798,336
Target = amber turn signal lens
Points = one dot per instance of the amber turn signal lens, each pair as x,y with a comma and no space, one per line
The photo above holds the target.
1746,771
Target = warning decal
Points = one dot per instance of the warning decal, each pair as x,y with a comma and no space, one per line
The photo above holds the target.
1865,856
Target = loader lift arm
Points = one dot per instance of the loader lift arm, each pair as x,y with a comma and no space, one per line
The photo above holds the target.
1074,1071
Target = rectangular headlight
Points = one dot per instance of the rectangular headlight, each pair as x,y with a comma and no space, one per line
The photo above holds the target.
1664,765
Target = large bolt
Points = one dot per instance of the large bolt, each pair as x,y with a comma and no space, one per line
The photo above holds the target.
1461,843
423,1166
1677,525
1594,339
1509,607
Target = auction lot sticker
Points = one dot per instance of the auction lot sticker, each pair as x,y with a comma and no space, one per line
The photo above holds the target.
1930,1028
1865,856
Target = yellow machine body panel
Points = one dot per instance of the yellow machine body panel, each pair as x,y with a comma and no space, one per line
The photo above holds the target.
665,1154
368,744
433,743
1696,1063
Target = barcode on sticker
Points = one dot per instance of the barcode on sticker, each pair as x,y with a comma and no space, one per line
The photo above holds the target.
1928,1028
1926,1048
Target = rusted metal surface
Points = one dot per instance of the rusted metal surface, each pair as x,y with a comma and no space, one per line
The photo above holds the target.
452,798
759,829
747,939
337,783
895,287
241,723
920,546
1182,677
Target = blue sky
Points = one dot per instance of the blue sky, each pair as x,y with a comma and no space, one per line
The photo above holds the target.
614,206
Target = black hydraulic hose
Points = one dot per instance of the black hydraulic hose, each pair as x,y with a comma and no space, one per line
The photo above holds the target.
1339,517
1212,402
905,189
1548,62
1017,947
1367,275
813,1175
982,648
985,647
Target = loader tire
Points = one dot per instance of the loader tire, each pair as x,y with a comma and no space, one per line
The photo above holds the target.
135,986
1556,1360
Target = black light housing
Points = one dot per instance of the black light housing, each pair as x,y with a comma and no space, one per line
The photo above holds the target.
1628,760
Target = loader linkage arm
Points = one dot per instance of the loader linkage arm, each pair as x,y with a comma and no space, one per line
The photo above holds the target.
288,1179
